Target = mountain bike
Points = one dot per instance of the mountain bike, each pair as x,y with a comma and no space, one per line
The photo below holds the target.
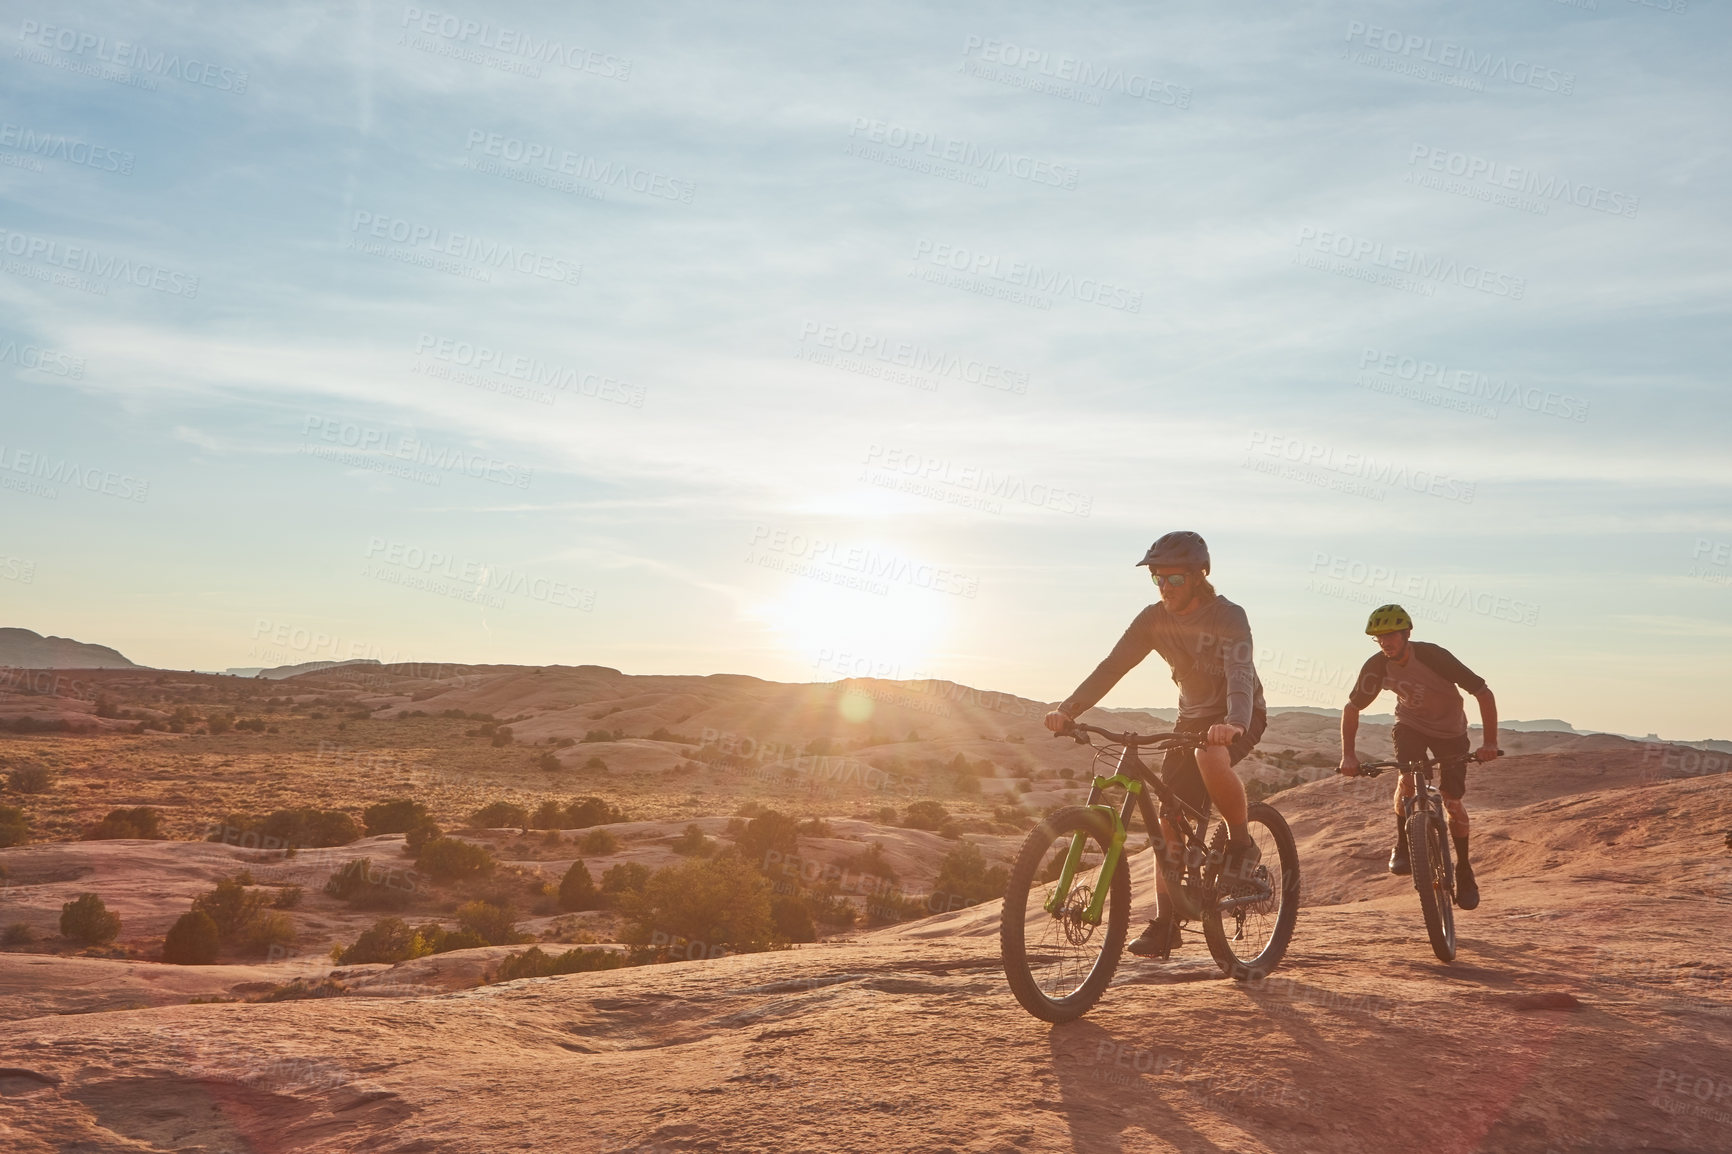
1068,901
1428,848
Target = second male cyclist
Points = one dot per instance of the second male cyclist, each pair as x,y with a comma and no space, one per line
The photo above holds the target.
1429,720
1206,639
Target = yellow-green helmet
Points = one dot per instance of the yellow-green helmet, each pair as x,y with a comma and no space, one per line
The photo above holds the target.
1388,619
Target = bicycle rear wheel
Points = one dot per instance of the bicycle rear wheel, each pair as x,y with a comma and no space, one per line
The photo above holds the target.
1058,964
1431,878
1249,938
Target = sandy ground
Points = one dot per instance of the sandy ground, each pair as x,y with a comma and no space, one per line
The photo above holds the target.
1588,1010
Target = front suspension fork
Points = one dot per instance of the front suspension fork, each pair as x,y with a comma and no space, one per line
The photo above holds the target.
1121,820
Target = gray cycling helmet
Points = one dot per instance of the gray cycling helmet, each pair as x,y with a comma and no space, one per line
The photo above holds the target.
1180,549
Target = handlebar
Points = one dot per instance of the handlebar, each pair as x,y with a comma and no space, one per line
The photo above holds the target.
1079,731
1374,768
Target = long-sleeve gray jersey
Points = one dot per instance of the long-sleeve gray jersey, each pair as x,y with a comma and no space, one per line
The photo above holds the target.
1209,650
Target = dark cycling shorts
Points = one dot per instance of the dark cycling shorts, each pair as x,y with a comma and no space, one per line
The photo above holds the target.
1179,769
1450,752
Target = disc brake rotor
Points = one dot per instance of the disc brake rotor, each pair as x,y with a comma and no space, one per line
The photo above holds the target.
1077,931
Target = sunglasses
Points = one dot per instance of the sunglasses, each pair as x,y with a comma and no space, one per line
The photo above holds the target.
1176,580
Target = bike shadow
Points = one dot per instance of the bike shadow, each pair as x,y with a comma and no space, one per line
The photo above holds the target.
1109,1084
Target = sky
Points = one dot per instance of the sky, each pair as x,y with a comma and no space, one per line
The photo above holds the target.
811,341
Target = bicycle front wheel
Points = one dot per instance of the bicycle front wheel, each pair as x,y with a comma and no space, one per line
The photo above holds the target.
1248,931
1431,878
1058,963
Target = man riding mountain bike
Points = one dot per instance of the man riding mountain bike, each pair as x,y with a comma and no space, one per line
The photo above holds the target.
1206,639
1429,722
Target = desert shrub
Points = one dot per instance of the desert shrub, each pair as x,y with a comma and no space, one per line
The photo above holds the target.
268,931
368,887
448,858
768,831
595,765
693,843
420,834
814,827
17,934
87,921
251,724
872,862
547,815
399,815
14,827
502,736
389,940
493,924
299,989
193,940
313,828
220,722
440,940
138,822
498,815
30,779
532,963
598,842
792,917
232,906
721,902
925,815
588,811
885,815
288,898
623,881
549,762
964,879
577,889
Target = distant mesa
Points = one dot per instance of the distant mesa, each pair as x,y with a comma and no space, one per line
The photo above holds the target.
24,649
278,672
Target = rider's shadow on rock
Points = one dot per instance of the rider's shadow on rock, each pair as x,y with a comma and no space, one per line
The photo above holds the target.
1110,1083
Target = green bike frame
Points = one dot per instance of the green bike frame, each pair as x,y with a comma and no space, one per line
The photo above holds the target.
1115,847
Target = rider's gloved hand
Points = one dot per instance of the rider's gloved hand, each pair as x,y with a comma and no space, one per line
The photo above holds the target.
1059,722
1223,734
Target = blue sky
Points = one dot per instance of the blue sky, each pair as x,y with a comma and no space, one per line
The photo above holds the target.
800,341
